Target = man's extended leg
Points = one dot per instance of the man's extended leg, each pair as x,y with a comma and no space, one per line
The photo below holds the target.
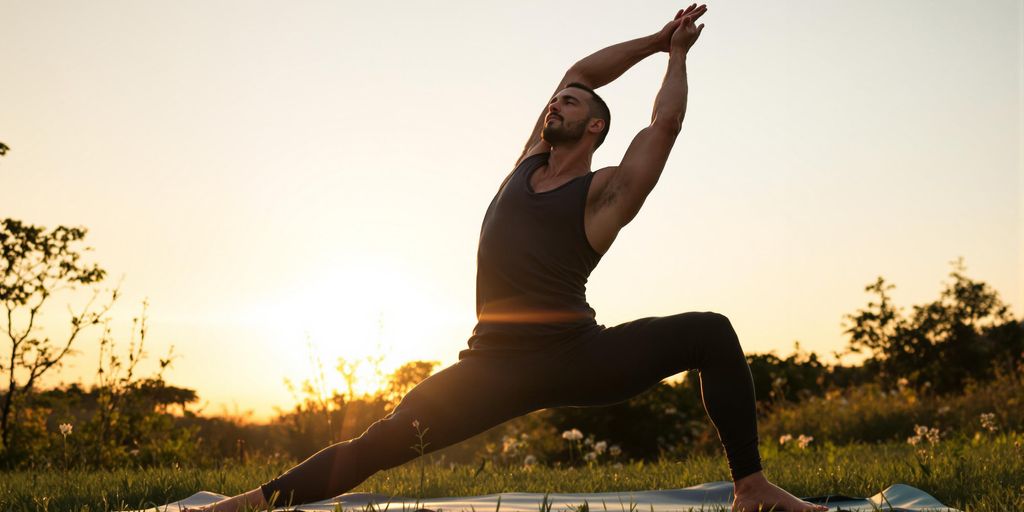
617,363
456,403
622,361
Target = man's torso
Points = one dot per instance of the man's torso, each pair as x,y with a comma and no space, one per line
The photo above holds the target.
536,253
600,229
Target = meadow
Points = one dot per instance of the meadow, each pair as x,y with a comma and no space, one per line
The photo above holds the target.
980,473
936,405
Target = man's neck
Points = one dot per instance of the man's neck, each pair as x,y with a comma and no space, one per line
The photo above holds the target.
572,160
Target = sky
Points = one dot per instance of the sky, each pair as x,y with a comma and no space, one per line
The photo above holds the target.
294,182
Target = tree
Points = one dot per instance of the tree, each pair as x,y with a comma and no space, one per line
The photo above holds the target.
962,335
35,264
405,378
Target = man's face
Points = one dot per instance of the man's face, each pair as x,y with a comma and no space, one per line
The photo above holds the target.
568,115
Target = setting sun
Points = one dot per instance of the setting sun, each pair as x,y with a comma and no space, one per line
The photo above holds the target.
360,311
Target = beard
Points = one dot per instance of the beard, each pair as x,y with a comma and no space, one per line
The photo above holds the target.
563,133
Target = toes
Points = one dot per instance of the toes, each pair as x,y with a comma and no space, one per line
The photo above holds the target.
813,506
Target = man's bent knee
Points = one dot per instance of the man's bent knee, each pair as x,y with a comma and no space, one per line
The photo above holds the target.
717,320
720,329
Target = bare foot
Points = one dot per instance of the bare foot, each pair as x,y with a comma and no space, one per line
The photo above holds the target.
754,493
252,500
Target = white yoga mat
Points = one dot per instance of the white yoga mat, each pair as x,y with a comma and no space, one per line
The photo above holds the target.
704,497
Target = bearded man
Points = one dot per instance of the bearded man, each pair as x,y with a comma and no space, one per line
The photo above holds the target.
536,343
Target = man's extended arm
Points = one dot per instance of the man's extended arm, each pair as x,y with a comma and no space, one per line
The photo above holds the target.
670,104
633,179
604,66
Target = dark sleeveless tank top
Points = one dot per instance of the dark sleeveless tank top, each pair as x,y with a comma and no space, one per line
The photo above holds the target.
533,263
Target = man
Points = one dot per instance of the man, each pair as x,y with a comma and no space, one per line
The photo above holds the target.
536,344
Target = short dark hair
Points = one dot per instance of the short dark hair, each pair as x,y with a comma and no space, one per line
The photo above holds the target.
598,109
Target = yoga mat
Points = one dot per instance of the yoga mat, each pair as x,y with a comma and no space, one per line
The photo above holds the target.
704,497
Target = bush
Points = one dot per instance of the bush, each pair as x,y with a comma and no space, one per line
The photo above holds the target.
870,412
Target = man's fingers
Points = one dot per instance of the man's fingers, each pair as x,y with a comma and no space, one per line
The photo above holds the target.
693,16
686,17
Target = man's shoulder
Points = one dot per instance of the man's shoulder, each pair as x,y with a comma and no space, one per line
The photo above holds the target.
599,185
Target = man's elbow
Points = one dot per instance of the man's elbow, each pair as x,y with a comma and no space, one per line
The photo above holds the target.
668,124
577,74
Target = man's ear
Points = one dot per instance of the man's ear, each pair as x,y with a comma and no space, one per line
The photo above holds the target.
596,125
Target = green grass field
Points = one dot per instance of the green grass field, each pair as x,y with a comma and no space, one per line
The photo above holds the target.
981,474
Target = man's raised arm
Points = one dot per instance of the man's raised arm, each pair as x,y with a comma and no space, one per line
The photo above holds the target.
634,178
604,66
670,104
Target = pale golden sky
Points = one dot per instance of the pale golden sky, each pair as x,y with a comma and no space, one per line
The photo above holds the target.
271,172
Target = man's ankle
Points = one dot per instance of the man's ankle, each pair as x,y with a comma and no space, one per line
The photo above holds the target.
750,481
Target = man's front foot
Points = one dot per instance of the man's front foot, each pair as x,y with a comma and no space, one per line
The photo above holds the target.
754,493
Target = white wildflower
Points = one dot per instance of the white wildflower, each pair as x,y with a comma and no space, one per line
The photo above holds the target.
803,440
590,457
923,433
988,421
670,410
572,435
600,447
530,460
508,445
785,438
65,429
902,382
615,450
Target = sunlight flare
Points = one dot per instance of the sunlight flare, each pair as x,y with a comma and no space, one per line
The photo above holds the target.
370,315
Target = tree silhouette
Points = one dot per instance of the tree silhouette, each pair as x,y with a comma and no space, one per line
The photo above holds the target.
407,377
962,335
34,264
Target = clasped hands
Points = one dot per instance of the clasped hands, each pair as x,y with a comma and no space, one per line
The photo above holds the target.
682,31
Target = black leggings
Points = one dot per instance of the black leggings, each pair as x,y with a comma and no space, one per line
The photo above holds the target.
478,392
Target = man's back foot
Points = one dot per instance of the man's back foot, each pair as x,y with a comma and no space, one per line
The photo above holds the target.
756,494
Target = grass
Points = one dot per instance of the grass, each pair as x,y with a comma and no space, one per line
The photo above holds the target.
979,474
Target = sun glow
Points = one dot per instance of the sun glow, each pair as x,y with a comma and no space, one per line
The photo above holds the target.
371,314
